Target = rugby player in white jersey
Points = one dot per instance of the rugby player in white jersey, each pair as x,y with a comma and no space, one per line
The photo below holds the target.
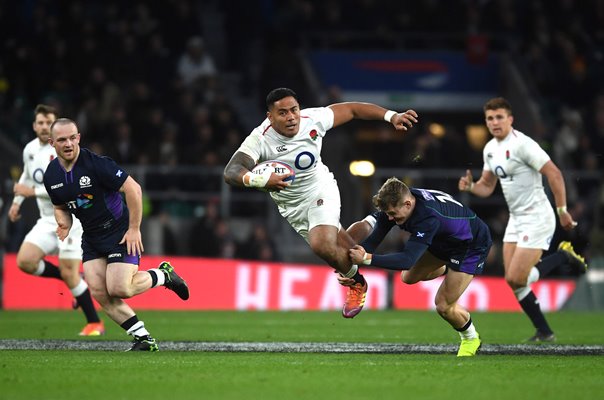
311,204
518,162
42,240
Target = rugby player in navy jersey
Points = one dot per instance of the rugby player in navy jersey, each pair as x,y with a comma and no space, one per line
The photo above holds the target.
42,239
89,186
446,238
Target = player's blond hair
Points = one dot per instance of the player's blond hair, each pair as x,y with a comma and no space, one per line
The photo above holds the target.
392,194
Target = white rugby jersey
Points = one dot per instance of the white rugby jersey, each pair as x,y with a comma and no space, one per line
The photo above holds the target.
36,157
302,152
516,161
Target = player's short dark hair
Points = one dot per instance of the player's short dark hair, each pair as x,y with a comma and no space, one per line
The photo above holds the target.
278,94
392,193
62,121
497,103
44,109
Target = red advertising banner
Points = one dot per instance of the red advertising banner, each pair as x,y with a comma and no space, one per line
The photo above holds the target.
252,285
484,294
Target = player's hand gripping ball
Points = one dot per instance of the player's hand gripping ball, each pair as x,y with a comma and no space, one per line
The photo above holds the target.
277,167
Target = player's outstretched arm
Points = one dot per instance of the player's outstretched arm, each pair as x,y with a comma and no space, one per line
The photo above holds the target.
64,221
345,112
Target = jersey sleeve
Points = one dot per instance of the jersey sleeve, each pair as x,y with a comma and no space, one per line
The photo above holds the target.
47,184
251,145
532,154
322,116
485,159
25,178
404,260
379,232
109,173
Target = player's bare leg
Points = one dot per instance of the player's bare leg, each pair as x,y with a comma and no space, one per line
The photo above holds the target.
124,280
96,272
30,259
427,268
332,245
453,286
70,273
518,263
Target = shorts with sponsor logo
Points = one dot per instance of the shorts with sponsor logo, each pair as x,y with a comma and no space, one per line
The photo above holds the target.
470,259
44,235
532,230
107,246
320,207
471,262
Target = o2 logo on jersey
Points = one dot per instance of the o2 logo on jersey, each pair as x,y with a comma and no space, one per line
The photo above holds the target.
304,160
500,172
38,175
85,182
84,200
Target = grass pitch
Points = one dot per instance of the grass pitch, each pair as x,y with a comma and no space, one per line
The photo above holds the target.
299,355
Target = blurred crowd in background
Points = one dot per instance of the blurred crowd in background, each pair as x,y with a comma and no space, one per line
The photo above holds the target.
161,83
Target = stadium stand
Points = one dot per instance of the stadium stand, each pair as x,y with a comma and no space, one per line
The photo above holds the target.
170,88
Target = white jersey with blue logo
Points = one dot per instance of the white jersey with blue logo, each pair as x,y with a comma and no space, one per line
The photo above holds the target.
302,152
516,161
36,157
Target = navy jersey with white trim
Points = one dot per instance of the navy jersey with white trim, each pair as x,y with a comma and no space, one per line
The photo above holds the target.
439,224
90,191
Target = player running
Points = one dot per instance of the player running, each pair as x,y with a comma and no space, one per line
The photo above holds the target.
312,204
42,239
89,186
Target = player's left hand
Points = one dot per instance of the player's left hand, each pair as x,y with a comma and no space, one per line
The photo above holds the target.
277,183
63,231
567,222
134,242
405,120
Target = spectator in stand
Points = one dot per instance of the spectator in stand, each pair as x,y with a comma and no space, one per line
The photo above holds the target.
196,64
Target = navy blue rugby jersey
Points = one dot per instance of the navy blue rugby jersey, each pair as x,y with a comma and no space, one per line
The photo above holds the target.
90,191
439,224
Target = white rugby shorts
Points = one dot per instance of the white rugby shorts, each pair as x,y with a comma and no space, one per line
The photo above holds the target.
533,229
319,207
44,235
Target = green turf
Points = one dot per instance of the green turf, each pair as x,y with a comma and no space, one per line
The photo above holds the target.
205,375
369,326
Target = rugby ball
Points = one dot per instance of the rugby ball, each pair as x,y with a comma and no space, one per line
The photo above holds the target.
278,167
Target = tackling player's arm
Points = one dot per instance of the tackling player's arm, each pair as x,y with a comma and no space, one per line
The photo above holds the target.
345,112
484,187
238,173
134,201
556,183
404,260
64,220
